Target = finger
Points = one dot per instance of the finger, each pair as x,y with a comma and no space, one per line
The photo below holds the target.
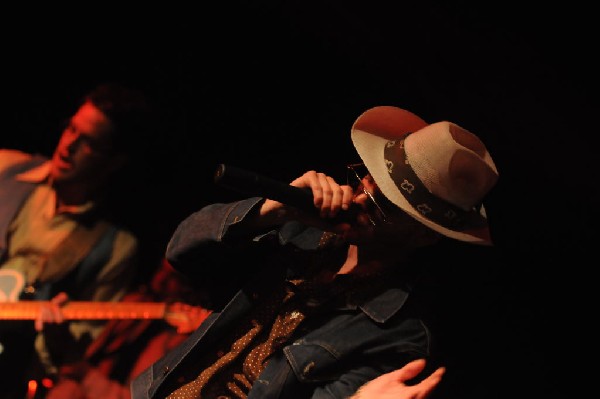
326,194
311,179
347,197
44,315
56,307
39,323
60,298
430,383
57,314
337,197
410,370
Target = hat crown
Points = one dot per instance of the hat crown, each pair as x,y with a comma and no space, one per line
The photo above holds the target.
452,163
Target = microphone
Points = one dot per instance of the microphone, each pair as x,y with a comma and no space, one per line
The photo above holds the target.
256,185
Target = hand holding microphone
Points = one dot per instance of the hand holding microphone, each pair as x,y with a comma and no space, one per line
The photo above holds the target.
327,201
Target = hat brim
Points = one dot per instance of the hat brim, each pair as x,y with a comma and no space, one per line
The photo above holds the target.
389,123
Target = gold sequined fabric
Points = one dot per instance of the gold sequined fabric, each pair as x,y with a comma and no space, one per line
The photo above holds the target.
231,376
234,371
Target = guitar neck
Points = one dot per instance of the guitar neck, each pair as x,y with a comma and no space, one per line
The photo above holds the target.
29,310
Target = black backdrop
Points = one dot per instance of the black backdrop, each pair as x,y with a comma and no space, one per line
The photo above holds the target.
274,87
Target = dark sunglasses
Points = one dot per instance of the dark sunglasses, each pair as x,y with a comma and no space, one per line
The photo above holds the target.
355,173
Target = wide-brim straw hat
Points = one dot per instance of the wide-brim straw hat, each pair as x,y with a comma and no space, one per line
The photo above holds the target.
438,173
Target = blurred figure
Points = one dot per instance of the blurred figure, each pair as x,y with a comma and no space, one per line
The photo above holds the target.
127,347
57,234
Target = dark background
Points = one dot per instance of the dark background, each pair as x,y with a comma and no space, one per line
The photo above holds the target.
274,87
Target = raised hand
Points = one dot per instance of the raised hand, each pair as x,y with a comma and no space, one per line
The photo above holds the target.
392,385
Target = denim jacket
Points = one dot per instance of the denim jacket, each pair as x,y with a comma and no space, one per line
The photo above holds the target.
327,358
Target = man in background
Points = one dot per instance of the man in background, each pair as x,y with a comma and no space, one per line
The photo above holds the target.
56,229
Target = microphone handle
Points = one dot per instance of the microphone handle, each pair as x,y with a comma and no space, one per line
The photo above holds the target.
254,184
